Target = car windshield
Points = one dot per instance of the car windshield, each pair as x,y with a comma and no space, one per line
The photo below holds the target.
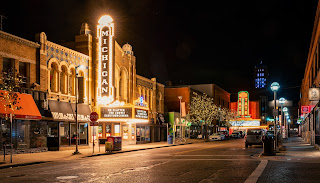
216,134
254,132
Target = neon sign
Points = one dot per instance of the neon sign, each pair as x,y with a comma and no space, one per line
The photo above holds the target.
243,103
105,33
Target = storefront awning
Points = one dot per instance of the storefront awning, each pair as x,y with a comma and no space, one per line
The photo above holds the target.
27,108
83,112
65,111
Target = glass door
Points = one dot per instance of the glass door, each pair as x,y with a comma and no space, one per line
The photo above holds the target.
73,133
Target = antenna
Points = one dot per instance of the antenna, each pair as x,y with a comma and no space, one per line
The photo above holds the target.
1,18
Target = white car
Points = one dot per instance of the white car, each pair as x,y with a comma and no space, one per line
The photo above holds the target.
217,136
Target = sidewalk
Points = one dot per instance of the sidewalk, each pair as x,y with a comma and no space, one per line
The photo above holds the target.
296,149
49,156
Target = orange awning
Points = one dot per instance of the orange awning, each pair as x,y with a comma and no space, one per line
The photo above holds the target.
28,108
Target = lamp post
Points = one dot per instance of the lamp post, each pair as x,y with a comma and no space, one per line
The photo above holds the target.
281,102
285,110
180,98
275,87
77,124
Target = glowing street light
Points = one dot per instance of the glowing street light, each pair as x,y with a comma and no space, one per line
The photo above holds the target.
281,102
275,87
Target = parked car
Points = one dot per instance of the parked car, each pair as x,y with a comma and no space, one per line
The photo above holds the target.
226,133
253,137
199,136
217,136
235,135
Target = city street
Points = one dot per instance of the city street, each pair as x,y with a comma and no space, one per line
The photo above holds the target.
219,161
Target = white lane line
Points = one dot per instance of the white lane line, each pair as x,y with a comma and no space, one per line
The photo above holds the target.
213,155
253,178
208,159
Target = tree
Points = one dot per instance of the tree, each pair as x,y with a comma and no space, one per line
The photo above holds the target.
9,98
203,111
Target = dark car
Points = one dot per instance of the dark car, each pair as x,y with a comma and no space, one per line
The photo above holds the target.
226,133
253,137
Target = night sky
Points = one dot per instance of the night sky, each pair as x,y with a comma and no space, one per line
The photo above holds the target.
187,42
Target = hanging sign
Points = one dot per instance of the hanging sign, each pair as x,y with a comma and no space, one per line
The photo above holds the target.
314,94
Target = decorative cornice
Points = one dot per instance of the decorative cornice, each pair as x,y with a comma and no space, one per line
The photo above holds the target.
68,50
19,39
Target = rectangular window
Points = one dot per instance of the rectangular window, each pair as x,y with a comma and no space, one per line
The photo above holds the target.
108,130
8,64
117,130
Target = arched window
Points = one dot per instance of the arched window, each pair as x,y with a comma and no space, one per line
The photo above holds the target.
64,80
54,78
72,81
123,85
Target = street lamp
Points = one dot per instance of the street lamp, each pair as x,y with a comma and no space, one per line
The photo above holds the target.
285,110
275,87
77,124
180,98
281,102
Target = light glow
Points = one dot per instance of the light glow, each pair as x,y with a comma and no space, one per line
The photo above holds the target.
105,32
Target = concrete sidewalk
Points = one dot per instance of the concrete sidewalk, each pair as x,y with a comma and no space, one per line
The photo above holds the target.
49,156
296,149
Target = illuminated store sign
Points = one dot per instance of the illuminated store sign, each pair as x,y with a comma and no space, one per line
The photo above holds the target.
243,103
305,109
105,33
140,102
116,112
141,113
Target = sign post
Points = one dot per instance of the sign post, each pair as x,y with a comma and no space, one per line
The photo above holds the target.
93,117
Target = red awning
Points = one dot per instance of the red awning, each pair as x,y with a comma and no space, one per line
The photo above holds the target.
27,107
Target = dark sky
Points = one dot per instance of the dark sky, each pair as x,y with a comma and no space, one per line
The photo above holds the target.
193,41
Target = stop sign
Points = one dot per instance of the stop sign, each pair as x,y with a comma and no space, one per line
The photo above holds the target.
94,116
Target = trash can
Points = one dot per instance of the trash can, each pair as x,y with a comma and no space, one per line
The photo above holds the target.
268,146
170,139
109,146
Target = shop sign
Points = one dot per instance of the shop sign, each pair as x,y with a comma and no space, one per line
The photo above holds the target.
141,113
116,112
140,102
314,94
305,109
245,123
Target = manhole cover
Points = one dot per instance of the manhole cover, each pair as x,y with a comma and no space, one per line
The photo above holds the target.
66,177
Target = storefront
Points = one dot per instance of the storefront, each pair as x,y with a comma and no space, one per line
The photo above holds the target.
128,121
62,129
27,129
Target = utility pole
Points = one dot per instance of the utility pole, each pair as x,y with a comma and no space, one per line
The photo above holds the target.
1,18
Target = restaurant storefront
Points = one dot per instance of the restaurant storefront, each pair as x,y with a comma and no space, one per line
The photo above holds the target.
62,127
28,132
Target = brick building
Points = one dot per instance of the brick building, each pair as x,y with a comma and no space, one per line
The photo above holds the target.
61,74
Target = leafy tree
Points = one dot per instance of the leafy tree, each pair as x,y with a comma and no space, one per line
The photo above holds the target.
204,111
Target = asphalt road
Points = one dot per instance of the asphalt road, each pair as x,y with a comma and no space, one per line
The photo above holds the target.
225,161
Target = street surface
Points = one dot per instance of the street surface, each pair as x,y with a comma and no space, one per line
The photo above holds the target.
219,161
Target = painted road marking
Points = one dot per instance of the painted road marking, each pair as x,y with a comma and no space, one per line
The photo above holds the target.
206,160
199,149
253,178
213,155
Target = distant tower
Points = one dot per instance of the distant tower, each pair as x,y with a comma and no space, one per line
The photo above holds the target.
260,76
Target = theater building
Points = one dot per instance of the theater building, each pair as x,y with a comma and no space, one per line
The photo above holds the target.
68,81
128,104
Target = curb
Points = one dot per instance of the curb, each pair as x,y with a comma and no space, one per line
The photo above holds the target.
93,155
23,164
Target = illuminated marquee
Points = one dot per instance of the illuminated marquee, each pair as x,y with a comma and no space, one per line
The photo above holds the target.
105,33
243,103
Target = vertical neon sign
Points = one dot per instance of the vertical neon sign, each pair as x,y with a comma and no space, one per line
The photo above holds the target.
105,33
243,103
